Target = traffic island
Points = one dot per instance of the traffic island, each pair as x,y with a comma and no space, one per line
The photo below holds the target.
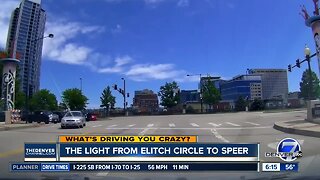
300,127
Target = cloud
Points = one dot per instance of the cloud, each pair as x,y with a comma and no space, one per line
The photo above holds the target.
120,62
117,29
183,3
62,49
144,72
6,8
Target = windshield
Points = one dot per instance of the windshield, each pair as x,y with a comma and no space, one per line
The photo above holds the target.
73,114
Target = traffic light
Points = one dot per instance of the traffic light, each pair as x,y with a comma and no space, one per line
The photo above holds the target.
289,67
298,63
127,94
115,87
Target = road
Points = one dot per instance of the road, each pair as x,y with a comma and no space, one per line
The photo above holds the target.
244,127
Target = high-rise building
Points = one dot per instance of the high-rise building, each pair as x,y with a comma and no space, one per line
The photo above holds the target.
274,85
25,34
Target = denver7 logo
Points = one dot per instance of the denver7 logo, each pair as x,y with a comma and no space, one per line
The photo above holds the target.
289,149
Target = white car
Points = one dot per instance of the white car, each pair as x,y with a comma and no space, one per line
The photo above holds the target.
73,119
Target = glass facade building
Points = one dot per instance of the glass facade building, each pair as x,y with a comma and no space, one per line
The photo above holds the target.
189,96
25,34
247,86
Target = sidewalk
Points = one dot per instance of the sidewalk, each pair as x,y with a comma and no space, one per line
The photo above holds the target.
22,125
301,127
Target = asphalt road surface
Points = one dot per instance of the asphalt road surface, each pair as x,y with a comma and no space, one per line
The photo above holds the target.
245,127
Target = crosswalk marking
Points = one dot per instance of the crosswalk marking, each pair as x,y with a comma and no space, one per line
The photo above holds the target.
194,125
215,125
97,126
172,125
255,124
150,125
113,125
131,125
232,124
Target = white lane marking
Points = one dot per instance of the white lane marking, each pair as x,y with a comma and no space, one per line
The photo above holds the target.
172,125
217,135
232,124
229,128
215,125
113,125
143,132
150,125
255,124
97,125
102,174
194,124
131,125
274,145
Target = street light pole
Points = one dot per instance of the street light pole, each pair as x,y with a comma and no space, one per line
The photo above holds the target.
307,53
81,85
28,79
201,95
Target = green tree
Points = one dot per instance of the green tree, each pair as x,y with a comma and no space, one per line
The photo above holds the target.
210,93
43,100
73,99
107,99
20,97
169,94
257,105
305,85
240,104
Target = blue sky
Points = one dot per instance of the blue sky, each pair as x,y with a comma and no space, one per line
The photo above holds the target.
150,42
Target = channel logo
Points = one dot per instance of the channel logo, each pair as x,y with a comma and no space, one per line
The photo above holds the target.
288,150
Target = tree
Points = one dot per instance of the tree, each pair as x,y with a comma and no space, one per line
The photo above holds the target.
305,85
241,104
73,99
257,105
107,99
43,100
169,94
20,97
210,93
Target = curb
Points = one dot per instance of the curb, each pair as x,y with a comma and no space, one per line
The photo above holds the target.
296,131
8,128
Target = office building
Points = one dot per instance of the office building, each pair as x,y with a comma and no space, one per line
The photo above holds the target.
247,86
189,96
274,85
145,101
25,34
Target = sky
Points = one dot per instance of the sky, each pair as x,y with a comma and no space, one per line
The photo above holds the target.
151,42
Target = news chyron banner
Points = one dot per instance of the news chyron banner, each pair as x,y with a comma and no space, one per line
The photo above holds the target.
138,153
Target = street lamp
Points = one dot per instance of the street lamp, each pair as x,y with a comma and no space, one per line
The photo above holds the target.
81,84
307,54
201,96
28,82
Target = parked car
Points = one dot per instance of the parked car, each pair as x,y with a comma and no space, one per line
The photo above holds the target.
60,114
91,117
43,116
73,119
